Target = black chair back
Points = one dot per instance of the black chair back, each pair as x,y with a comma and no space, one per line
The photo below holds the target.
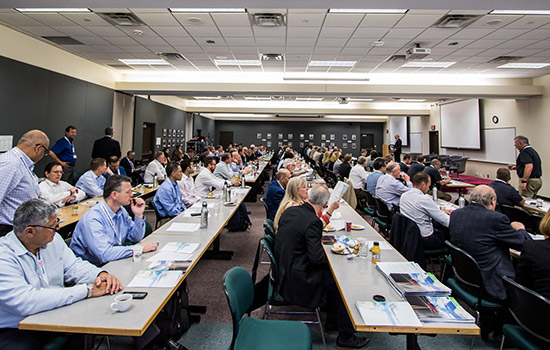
382,211
371,202
466,270
530,221
158,217
406,239
529,309
265,207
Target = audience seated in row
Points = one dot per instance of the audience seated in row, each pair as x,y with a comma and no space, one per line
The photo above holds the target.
156,167
276,191
92,181
388,188
506,193
56,191
168,198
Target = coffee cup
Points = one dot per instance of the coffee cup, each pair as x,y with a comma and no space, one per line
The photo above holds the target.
122,303
137,252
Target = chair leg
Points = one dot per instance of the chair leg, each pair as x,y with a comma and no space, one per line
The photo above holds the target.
321,327
502,342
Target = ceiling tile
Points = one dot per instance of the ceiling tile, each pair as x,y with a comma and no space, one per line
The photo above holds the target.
395,43
537,34
417,21
300,41
121,41
135,49
203,31
243,49
437,33
93,40
174,31
515,44
527,52
326,49
161,48
231,19
359,42
370,33
403,33
468,33
504,34
180,40
302,32
299,49
108,49
236,32
485,21
105,31
86,19
382,51
194,19
51,19
270,42
336,32
186,49
158,19
342,20
305,19
41,30
144,40
469,51
246,56
456,44
18,19
529,22
485,44
275,32
331,42
355,50
240,41
495,52
543,44
380,20
74,31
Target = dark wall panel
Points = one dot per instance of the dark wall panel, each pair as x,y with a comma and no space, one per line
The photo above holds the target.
207,128
35,98
164,117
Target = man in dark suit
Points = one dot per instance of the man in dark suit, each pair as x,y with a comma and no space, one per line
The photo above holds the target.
189,154
487,235
345,167
416,166
304,274
276,191
506,193
405,163
106,146
397,149
433,171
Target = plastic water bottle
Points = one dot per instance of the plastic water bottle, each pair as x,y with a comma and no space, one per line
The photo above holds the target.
461,202
204,215
434,194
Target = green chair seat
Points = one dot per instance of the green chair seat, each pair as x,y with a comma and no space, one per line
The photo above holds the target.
56,343
368,211
470,299
380,222
266,335
436,252
521,338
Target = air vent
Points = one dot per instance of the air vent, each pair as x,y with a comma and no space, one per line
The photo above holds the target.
63,40
122,19
505,59
396,58
171,56
120,66
267,19
456,21
272,57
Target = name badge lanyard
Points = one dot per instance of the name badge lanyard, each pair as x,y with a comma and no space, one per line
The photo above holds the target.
111,222
42,269
34,178
72,146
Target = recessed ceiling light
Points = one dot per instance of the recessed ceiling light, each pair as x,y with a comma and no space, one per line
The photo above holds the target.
411,100
369,11
149,62
332,63
377,43
309,99
221,57
237,62
519,12
45,10
204,10
207,98
493,22
417,64
257,98
360,99
326,76
524,65
194,20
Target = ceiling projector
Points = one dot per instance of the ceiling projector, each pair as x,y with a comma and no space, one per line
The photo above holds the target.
417,53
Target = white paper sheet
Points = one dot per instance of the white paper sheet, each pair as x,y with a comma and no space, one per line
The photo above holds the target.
173,256
180,247
155,279
183,227
399,267
395,313
384,245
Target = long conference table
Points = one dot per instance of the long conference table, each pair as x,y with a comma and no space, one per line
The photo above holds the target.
359,280
95,317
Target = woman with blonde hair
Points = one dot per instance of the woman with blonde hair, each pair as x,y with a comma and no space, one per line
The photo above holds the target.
326,158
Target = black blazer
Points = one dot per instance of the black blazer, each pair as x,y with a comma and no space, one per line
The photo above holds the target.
487,236
506,193
435,176
106,147
345,169
533,270
300,256
125,163
415,168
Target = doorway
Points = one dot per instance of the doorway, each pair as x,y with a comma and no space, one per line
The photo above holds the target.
434,142
226,138
148,142
367,141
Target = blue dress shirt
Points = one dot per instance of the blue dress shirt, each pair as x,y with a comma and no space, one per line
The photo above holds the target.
26,289
18,183
168,199
372,179
91,184
99,235
64,150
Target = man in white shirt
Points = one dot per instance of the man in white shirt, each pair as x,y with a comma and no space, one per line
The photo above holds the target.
156,167
223,170
432,222
388,188
58,192
206,181
358,178
189,195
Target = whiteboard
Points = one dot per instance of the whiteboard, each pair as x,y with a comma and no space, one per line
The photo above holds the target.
497,147
460,125
398,126
416,142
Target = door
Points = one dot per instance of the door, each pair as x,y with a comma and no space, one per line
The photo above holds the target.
367,141
148,141
226,138
434,142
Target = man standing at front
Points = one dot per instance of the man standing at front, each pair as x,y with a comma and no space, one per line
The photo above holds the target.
18,183
529,168
106,146
100,234
397,148
64,153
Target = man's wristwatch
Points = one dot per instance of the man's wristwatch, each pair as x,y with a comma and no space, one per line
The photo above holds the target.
523,181
90,287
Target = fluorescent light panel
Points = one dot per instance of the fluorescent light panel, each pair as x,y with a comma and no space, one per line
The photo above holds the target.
411,100
524,65
54,10
332,63
257,98
519,12
208,98
149,62
237,62
326,76
369,11
309,99
204,10
360,99
416,64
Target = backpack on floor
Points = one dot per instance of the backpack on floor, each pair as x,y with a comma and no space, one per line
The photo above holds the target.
239,221
175,319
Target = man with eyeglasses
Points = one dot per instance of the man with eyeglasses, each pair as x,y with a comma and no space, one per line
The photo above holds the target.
35,264
168,200
58,192
18,183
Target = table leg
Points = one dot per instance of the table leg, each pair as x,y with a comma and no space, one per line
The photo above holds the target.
89,341
412,343
216,253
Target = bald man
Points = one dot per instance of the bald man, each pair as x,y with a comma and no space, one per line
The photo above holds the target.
276,191
18,183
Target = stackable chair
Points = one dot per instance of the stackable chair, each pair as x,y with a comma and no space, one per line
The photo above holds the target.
265,207
530,221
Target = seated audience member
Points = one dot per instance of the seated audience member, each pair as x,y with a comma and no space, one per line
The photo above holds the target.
189,154
388,188
506,193
177,154
168,200
436,180
379,166
487,236
206,181
533,269
416,166
290,165
286,155
345,167
92,181
223,169
58,192
337,163
114,166
276,191
128,163
166,151
156,167
358,177
389,158
101,232
405,163
25,290
187,185
304,274
370,160
237,163
432,222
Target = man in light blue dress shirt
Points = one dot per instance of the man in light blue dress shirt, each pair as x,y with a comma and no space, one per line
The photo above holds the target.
388,188
168,200
35,263
18,183
100,234
223,169
92,181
